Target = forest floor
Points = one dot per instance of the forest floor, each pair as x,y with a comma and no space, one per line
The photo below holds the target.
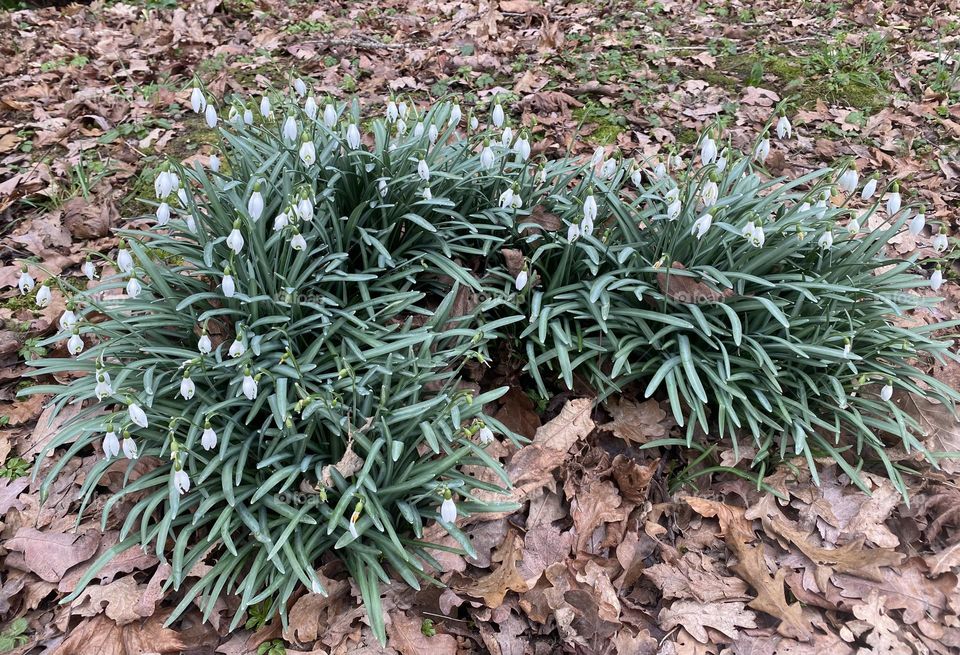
617,549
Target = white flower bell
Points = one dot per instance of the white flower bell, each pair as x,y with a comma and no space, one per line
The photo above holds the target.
784,129
762,151
137,415
869,189
940,242
308,153
129,448
701,225
103,388
894,201
848,181
124,260
229,285
423,170
235,239
181,481
89,270
886,393
204,345
522,279
75,343
590,208
487,158
310,108
197,102
455,116
255,203
300,87
917,223
237,348
210,115
826,241
187,387
573,232
708,150
68,319
290,130
250,386
44,295
134,287
392,112
936,279
163,214
209,437
353,136
111,445
329,116
498,116
298,243
265,109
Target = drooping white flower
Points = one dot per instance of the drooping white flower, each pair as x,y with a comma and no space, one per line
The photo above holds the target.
936,279
784,129
423,170
329,116
674,209
255,204
506,198
590,208
103,388
248,116
392,112
197,102
124,260
762,151
869,189
637,177
265,109
722,162
129,448
237,348
308,153
847,348
853,227
487,158
298,242
917,223
137,415
304,209
204,344
710,193
209,438
235,118
163,214
181,481
676,162
250,387
586,227
708,150
507,137
235,240
659,171
44,295
826,241
191,223
573,232
182,197
401,130
229,286
848,181
383,187
893,202
474,122
210,114
187,388
485,436
940,242
89,269
497,115
886,393
134,287
701,225
75,344
608,169
427,193
310,108
522,148
290,130
448,510
433,133
300,87
68,319
455,116
353,136
111,445
754,234
281,221
522,279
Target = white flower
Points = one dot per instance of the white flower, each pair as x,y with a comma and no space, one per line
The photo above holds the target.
710,193
573,232
522,148
300,87
517,201
329,116
182,196
290,131
44,296
586,227
265,109
448,510
506,199
103,388
598,154
507,138
187,388
821,208
208,439
590,208
637,178
89,270
383,188
353,137
487,158
433,133
659,171
848,181
485,435
255,205
498,116
111,445
936,280
427,193
401,130
521,281
784,129
211,116
229,286
304,209
68,319
893,203
75,344
237,348
204,345
308,153
754,234
853,227
166,183
673,209
762,150
722,162
249,387
298,242
281,221
701,225
826,241
886,393
677,162
940,242
608,169
708,150
130,447
235,240
455,116
474,122
310,108
124,260
847,348
163,214
392,112
248,116
134,287
418,131
917,223
137,415
181,481
423,170
197,102
869,189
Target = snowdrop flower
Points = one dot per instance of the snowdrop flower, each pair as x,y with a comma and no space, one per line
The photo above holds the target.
487,157
784,129
134,287
392,112
673,210
507,138
129,446
506,198
165,183
853,227
672,194
290,131
304,209
677,162
821,208
89,269
329,116
659,171
754,234
211,116
918,222
163,214
433,133
353,137
894,200
308,153
485,435
709,193
197,102
124,260
228,284
248,116
203,344
181,481
762,151
250,387
298,243
608,169
423,170
497,115
848,181
383,188
103,388
352,525
847,348
886,393
573,232
209,438
137,415
708,150
455,116
187,387
75,343
68,319
590,207
111,444
427,193
235,239
44,296
234,117
448,508
300,87
401,130
701,225
722,162
936,280
255,204
826,241
237,348
310,108
402,109
418,131
474,122
265,109
869,189
637,177
940,242
522,278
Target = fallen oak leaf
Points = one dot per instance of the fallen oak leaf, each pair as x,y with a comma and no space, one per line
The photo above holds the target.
637,422
493,588
406,636
102,636
51,554
695,618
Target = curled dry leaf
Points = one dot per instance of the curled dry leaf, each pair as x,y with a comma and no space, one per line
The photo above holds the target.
406,637
637,422
51,554
493,587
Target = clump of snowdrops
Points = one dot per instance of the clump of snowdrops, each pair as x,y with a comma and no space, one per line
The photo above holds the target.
275,360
